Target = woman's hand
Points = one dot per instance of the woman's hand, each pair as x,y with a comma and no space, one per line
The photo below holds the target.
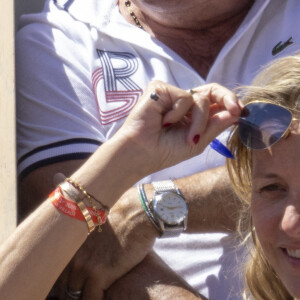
179,124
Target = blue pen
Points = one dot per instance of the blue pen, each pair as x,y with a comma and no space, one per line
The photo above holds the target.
220,148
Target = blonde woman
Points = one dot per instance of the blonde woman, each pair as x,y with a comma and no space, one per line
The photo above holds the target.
266,174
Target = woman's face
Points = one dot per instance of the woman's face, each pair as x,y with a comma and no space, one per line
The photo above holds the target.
276,207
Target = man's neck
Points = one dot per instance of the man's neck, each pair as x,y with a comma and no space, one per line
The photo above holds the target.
198,45
201,47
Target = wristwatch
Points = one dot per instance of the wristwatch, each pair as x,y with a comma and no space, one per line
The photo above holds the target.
168,208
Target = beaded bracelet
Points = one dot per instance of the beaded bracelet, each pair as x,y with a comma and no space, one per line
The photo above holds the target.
78,187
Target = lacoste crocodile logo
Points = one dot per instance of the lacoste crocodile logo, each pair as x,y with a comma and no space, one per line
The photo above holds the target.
281,46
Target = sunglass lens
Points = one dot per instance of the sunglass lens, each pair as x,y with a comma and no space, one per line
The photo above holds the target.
263,124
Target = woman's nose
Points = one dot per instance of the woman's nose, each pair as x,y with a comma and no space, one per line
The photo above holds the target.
290,222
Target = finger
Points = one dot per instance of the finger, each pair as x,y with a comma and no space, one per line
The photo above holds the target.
76,278
199,118
215,99
181,101
91,291
59,288
179,110
218,123
173,102
223,97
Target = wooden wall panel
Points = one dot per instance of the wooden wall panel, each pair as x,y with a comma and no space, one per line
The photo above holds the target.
7,121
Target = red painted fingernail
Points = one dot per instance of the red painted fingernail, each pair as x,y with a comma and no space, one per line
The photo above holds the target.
196,139
167,125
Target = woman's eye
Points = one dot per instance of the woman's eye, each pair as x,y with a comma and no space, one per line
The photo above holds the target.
272,190
271,187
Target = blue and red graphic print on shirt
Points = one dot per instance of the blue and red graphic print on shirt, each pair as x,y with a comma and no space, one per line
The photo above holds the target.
113,82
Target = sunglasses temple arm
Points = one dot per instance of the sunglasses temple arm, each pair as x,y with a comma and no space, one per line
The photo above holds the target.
220,148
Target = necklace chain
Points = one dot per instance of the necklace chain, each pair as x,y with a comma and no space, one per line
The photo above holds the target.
133,15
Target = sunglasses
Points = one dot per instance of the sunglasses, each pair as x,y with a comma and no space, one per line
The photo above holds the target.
262,124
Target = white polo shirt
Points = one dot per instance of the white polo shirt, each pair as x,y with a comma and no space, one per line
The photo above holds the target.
81,68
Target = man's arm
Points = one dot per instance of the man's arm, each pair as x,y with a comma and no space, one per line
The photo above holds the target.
155,280
129,235
213,205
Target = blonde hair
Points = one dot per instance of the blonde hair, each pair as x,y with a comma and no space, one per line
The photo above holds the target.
279,82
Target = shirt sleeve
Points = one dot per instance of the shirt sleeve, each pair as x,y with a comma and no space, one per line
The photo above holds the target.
57,114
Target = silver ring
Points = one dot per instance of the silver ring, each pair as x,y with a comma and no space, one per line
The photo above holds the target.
73,294
192,92
154,96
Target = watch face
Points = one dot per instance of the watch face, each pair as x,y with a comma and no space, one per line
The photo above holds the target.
170,208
